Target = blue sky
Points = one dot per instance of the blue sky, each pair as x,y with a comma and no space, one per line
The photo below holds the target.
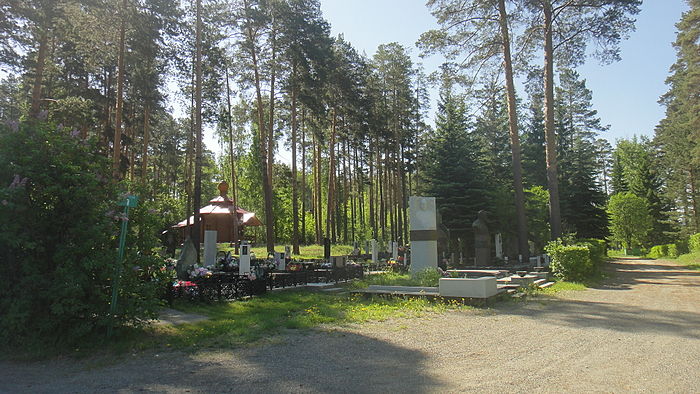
624,93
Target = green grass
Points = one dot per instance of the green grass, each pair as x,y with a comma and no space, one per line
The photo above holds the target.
426,279
616,253
563,286
307,252
244,322
690,260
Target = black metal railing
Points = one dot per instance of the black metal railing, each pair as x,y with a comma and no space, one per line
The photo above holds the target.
223,286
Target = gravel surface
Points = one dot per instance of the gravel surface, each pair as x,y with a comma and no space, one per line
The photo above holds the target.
638,332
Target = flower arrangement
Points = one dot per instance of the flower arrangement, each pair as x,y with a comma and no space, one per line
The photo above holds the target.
199,272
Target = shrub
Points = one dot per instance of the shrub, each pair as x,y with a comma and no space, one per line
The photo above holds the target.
570,262
655,252
672,251
598,248
682,246
694,243
58,241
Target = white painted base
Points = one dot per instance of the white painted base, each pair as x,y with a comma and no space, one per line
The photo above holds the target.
423,255
484,287
209,248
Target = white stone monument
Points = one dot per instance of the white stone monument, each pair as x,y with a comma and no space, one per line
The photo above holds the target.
280,261
244,259
424,234
498,241
375,257
209,248
395,251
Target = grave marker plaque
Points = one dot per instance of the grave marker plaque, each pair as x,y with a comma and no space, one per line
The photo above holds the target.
244,259
424,233
209,248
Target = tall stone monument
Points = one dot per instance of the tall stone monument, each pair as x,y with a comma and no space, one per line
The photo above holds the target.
424,233
498,241
375,254
210,248
244,259
482,239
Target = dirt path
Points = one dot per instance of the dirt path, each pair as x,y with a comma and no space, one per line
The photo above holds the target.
639,332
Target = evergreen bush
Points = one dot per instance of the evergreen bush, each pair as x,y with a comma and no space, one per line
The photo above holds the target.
58,241
694,243
672,251
598,248
570,262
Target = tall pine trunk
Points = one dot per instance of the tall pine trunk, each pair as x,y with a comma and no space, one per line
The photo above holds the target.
116,158
331,176
234,238
197,200
549,133
303,175
39,74
523,248
295,202
146,141
263,139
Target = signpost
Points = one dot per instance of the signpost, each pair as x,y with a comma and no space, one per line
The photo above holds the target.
128,202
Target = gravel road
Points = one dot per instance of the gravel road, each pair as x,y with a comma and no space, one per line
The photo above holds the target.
638,332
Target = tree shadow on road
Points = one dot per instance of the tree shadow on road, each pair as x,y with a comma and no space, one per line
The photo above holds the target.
626,275
336,361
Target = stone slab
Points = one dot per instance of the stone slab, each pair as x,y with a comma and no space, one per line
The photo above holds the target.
483,287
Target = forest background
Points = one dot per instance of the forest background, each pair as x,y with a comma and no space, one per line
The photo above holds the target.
273,80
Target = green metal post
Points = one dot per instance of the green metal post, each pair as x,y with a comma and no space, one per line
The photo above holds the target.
130,202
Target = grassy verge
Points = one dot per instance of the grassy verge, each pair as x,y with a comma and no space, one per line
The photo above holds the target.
424,279
306,252
245,322
241,323
563,286
690,260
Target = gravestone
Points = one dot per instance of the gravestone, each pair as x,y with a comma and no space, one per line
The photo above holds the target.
279,261
288,251
395,251
424,233
244,259
188,258
326,249
209,248
482,240
375,252
498,241
367,247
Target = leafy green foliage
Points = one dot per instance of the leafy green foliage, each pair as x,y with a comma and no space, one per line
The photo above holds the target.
630,222
244,322
694,243
598,249
58,240
450,169
570,262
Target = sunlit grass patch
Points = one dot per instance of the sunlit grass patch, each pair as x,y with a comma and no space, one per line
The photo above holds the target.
249,321
563,286
690,260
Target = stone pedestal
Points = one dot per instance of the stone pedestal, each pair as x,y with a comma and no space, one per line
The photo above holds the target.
209,248
244,259
468,288
375,252
498,241
424,234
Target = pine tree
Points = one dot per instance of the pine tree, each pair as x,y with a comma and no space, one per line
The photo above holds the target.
450,168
